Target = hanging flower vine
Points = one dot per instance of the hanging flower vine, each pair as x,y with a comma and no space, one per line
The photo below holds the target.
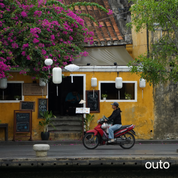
35,30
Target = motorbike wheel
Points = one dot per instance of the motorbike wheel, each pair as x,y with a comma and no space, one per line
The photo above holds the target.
90,141
128,136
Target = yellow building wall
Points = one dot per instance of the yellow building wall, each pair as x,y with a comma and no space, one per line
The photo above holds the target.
7,112
139,42
139,113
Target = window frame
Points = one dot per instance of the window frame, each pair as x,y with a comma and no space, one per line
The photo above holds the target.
117,100
14,101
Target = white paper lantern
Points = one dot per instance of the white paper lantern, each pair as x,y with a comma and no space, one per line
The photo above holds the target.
3,83
94,82
57,75
142,83
48,62
72,67
118,82
42,82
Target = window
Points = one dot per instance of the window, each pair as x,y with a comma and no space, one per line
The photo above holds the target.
127,93
13,91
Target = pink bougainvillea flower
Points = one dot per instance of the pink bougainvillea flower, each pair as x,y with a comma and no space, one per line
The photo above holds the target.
70,38
43,51
110,12
23,14
41,45
35,40
15,45
85,53
23,53
52,37
28,57
25,46
2,5
100,25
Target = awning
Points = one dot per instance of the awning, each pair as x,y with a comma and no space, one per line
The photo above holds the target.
99,56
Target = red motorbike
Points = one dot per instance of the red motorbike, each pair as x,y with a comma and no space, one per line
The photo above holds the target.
99,136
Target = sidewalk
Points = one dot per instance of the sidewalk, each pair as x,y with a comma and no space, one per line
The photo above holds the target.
76,155
68,142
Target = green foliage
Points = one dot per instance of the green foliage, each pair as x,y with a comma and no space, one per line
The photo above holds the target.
160,65
17,97
128,96
89,118
104,95
46,120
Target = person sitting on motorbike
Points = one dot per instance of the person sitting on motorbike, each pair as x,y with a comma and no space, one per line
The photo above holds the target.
116,118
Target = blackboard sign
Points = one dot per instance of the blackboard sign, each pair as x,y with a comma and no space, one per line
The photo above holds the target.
22,122
27,105
92,101
42,106
22,127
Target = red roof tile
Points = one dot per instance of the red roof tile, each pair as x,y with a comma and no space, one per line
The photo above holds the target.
109,30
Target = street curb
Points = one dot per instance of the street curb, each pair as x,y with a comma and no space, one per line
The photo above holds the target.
95,161
76,142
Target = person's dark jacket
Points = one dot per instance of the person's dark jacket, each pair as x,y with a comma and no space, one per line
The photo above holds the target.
116,116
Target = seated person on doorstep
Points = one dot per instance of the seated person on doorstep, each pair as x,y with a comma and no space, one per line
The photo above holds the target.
72,100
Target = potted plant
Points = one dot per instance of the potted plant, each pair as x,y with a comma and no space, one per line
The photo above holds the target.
17,97
104,96
128,96
87,121
46,115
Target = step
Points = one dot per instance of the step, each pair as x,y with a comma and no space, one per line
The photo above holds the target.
64,132
66,123
65,128
65,135
67,118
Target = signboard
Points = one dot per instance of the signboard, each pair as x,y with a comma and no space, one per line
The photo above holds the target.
82,110
27,105
92,101
22,122
42,106
34,89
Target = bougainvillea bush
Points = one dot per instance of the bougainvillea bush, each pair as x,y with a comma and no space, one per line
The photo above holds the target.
33,31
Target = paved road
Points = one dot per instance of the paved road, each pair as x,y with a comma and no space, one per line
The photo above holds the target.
74,151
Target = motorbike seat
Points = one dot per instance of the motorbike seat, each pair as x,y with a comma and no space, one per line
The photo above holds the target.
123,127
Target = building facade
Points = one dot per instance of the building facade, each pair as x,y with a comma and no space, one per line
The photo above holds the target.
113,48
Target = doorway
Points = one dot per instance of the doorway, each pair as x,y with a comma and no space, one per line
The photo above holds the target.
57,103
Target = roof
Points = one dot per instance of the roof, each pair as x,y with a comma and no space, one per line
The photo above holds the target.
105,56
109,33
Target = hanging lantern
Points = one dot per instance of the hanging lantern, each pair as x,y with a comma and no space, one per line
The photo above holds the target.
42,82
57,76
118,82
72,68
48,62
142,83
3,83
94,82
